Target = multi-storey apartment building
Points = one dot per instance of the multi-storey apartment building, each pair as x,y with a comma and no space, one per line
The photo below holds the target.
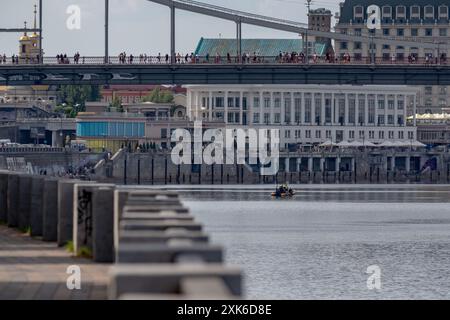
309,114
416,20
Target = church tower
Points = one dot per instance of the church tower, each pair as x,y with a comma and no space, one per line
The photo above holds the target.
29,45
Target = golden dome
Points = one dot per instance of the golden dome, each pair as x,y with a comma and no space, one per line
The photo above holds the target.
34,35
24,38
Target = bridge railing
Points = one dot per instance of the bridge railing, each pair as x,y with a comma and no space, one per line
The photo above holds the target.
227,60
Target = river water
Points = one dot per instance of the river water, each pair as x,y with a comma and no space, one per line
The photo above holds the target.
319,244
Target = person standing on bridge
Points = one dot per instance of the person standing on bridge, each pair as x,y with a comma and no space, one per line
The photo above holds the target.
159,57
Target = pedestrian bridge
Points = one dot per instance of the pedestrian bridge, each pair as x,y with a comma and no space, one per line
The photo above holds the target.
234,73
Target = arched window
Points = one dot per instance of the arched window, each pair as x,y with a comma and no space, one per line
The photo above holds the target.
415,12
358,12
429,12
443,11
401,12
387,12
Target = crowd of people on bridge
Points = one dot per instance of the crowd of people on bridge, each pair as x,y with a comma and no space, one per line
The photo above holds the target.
229,58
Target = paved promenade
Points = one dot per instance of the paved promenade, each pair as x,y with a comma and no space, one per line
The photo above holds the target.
32,269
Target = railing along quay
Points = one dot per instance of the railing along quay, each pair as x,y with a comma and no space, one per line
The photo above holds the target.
158,249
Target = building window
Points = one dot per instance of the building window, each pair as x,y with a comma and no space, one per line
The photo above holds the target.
386,31
390,119
256,102
344,45
361,134
277,117
380,134
358,12
428,91
401,12
410,135
415,12
400,32
443,12
429,12
358,45
266,102
266,118
277,103
442,32
400,135
387,12
428,32
414,32
317,134
328,134
256,118
230,103
308,134
391,134
380,119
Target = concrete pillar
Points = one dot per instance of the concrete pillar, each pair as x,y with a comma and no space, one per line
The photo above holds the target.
337,164
408,164
13,200
353,165
24,201
54,139
298,166
392,163
50,210
37,204
3,197
310,164
102,224
322,164
286,165
65,211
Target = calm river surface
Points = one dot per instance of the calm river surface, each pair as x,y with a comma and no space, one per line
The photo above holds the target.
319,244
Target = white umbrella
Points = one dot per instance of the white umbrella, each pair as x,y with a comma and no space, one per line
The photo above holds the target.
327,143
418,144
387,144
344,144
356,144
369,144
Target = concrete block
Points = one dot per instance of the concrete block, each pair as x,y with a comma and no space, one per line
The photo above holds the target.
167,253
178,208
166,278
159,225
3,196
13,200
65,211
160,216
24,201
37,205
50,210
102,222
83,213
160,236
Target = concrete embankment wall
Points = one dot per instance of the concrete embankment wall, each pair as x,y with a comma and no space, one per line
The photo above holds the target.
325,167
157,248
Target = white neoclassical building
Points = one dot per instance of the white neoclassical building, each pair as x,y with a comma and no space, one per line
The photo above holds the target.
310,114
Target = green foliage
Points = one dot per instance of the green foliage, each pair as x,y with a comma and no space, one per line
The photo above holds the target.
159,96
117,104
85,252
26,230
75,97
69,246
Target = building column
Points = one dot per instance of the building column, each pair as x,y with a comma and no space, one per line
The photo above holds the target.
210,106
393,163
386,109
346,110
262,107
322,164
226,107
197,105
286,165
302,108
299,162
282,110
408,164
395,110
313,108
250,107
414,111
292,99
366,110
356,110
54,139
353,165
310,164
271,108
322,112
337,164
241,107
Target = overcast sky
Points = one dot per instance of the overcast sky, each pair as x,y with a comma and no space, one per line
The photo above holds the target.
140,26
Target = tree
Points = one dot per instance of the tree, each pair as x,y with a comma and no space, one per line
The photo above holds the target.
159,96
117,104
75,96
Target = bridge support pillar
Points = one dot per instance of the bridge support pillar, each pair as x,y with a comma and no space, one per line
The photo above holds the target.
239,40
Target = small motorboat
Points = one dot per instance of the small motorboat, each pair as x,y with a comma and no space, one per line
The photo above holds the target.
283,192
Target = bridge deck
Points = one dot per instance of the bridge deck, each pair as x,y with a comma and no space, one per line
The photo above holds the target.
31,269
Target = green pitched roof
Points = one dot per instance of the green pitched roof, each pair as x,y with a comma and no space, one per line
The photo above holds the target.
263,47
